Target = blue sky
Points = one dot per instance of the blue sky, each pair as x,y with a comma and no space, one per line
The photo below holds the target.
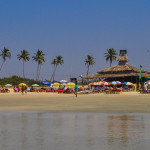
73,29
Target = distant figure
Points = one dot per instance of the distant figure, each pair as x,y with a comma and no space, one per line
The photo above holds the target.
76,90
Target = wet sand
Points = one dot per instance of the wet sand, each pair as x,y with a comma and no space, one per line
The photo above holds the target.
131,102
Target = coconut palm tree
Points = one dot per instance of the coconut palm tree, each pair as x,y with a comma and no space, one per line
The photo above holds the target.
56,61
111,55
5,53
39,58
25,57
89,61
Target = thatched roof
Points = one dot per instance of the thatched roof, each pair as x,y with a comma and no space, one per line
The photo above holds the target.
121,68
123,58
116,75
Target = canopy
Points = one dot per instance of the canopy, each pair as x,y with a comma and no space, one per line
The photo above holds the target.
35,85
22,84
70,84
8,85
56,84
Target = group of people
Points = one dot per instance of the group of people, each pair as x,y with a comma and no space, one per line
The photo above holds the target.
23,89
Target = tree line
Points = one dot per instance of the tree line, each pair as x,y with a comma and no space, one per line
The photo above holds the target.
38,57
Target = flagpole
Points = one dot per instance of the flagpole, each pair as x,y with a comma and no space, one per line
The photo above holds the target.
141,75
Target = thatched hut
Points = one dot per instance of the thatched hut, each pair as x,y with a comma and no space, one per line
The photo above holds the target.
122,72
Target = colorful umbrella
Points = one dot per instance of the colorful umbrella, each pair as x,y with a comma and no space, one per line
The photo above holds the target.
147,82
47,83
100,83
94,83
128,83
22,84
56,84
70,84
105,83
115,82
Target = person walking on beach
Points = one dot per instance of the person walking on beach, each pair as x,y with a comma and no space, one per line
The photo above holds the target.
76,90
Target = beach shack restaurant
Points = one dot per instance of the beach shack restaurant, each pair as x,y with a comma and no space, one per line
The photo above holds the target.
122,72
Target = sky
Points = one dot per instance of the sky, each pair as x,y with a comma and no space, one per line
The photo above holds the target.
73,29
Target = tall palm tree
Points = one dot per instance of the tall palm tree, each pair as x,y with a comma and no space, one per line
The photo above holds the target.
89,61
111,55
5,53
39,58
56,61
25,57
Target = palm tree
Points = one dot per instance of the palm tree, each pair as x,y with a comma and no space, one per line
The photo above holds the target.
25,57
39,58
56,61
89,61
111,55
5,53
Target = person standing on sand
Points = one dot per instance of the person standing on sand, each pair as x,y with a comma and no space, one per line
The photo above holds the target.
76,90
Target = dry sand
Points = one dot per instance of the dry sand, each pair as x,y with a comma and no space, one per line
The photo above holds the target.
53,102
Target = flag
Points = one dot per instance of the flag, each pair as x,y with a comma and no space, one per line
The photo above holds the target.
140,72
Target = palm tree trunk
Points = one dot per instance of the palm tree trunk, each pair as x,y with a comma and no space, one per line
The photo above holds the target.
23,69
2,65
88,73
37,72
54,73
88,70
110,61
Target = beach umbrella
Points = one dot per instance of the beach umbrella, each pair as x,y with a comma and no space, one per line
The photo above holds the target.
147,82
94,83
63,84
128,83
70,84
63,81
22,84
8,85
34,85
115,82
99,83
47,83
106,83
56,84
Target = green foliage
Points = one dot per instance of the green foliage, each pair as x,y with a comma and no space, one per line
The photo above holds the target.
5,53
111,55
15,80
89,61
24,55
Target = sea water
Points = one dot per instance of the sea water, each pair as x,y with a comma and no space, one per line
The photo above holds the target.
74,131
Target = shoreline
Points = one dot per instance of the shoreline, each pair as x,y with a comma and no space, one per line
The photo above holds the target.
130,102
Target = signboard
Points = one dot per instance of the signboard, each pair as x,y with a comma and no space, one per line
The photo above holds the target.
74,80
123,52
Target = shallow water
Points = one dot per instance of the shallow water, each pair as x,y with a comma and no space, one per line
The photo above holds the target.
74,131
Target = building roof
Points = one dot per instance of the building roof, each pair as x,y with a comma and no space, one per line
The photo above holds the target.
121,68
116,75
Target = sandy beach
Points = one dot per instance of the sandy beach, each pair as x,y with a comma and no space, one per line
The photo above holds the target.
52,102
